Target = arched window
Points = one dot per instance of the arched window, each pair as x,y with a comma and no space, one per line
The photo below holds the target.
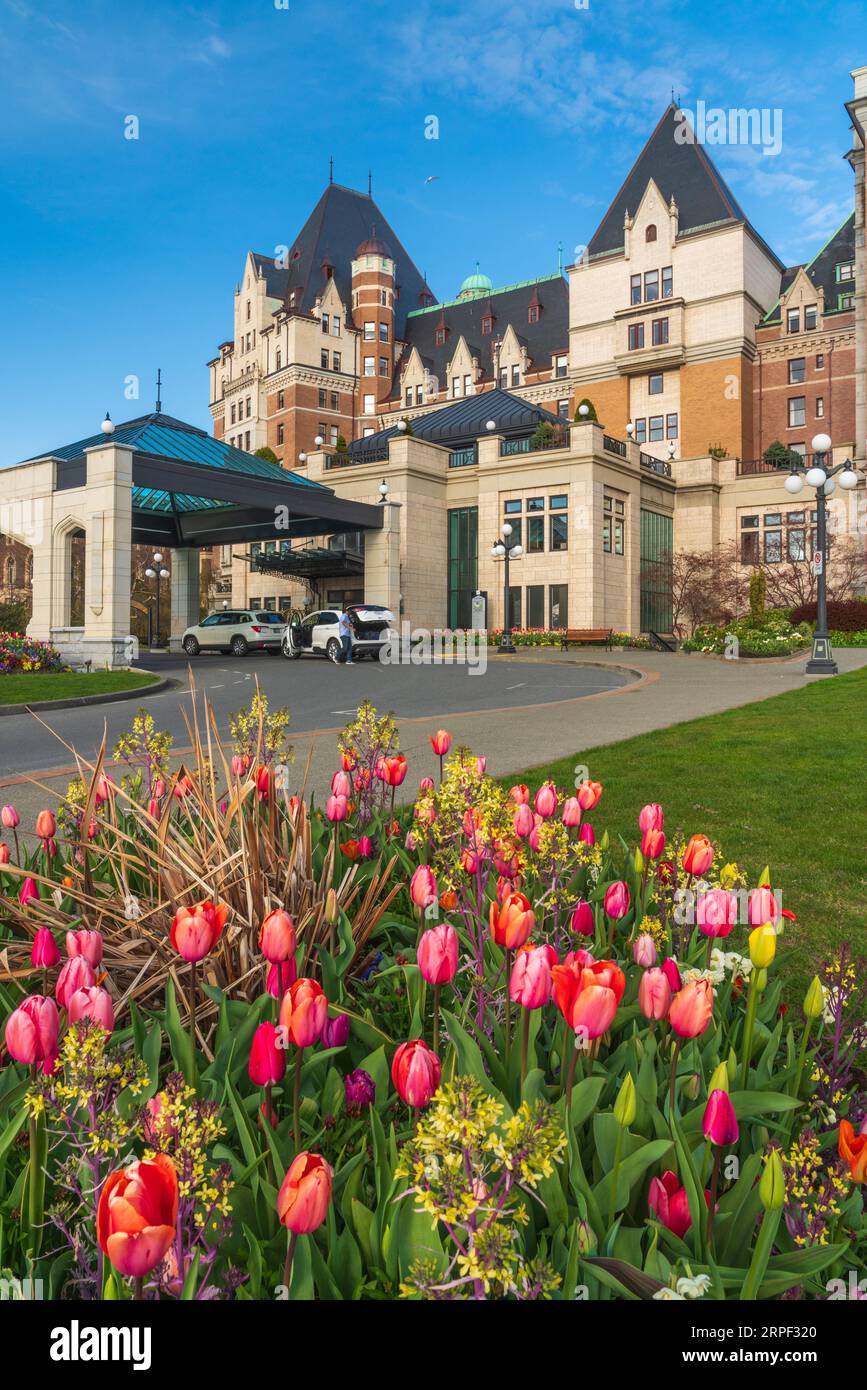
75,560
650,234
29,569
10,574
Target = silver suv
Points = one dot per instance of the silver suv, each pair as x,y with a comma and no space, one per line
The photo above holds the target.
318,633
237,631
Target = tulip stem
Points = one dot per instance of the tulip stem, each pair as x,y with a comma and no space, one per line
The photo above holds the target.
796,1089
675,1054
138,1288
714,1187
749,1024
33,1187
573,1062
193,986
615,1173
508,1048
296,1101
525,1045
290,1252
436,1018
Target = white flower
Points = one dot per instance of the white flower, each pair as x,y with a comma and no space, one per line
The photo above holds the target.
131,908
668,1296
694,1288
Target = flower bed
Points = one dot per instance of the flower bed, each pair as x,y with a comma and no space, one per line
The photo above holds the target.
485,1054
21,653
772,634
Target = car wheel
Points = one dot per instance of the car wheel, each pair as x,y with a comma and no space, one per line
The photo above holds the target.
334,651
238,646
289,650
191,646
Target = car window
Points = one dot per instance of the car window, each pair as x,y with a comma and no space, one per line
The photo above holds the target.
227,619
311,621
328,617
212,621
268,618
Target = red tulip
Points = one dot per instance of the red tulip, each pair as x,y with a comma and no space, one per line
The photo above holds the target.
44,953
76,974
440,742
716,912
530,984
523,820
341,785
277,936
582,922
512,921
617,900
587,996
545,800
571,812
303,1012
720,1124
93,1003
302,1202
605,972
137,1215
196,930
348,761
85,943
520,794
587,835
46,825
698,855
588,795
4,853
438,954
263,783
672,974
691,1009
267,1059
392,770
416,1073
654,994
29,892
336,808
652,843
650,817
31,1031
762,907
852,1148
423,887
670,1205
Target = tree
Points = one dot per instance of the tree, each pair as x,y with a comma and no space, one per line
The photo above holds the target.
581,416
267,453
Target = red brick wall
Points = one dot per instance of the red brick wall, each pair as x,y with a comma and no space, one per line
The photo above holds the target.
834,382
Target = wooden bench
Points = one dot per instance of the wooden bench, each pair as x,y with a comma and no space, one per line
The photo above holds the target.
587,634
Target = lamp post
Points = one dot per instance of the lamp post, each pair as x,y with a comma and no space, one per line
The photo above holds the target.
820,475
155,571
503,549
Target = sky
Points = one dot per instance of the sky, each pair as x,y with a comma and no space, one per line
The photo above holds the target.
120,255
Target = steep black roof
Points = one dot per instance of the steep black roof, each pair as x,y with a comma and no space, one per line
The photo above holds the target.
467,419
339,223
683,170
822,270
463,317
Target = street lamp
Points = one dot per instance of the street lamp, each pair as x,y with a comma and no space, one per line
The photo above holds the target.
502,549
156,571
820,475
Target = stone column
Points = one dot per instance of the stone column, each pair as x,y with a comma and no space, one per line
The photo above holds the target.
857,160
106,502
185,594
382,561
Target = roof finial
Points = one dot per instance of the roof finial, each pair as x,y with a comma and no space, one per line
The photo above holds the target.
331,169
159,384
559,258
370,183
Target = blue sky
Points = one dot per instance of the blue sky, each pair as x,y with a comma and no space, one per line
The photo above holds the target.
120,255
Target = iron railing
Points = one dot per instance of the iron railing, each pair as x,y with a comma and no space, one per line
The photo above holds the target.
614,446
557,437
655,465
463,458
360,454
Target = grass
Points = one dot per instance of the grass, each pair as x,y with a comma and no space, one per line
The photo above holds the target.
26,687
781,782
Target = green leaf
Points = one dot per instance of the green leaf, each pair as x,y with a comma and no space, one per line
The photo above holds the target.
188,1292
179,1038
466,1058
631,1171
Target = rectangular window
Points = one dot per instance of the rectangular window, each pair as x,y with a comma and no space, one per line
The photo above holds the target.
280,434
440,337
517,526
535,605
249,407
233,415
456,386
561,364
558,605
369,332
559,502
383,366
559,531
383,332
279,359
516,376
773,547
846,301
667,282
535,504
846,270
335,327
651,285
749,547
655,384
467,385
370,405
671,427
247,445
563,408
463,564
618,536
332,435
659,332
512,506
635,289
321,430
797,411
797,371
533,314
641,430
324,323
820,407
820,361
793,321
321,398
370,366
408,396
281,400
810,317
419,395
323,360
636,336
515,608
487,326
535,535
796,543
336,359
656,429
504,378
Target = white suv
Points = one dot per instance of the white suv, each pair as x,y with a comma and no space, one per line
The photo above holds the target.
318,634
237,631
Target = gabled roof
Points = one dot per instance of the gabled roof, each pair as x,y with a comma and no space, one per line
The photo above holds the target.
683,171
821,270
339,223
463,317
467,419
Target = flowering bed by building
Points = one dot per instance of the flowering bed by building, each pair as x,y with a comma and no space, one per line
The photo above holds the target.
258,1049
21,653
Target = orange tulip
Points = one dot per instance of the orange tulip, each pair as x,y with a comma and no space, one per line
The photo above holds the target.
691,1009
512,921
137,1215
853,1148
302,1203
303,1012
277,936
698,855
196,930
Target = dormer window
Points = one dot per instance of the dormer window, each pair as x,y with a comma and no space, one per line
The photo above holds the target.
487,326
650,234
533,313
440,335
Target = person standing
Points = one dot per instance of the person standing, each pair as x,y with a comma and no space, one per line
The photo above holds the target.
345,633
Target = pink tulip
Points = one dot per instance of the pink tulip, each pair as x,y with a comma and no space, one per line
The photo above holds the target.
644,950
277,936
692,1009
267,1061
85,943
617,900
531,983
4,853
438,954
654,993
720,1124
10,817
545,800
416,1072
46,825
593,1010
582,922
481,764
650,817
652,843
698,855
76,974
93,1003
365,847
153,808
341,785
672,974
44,953
281,977
440,742
533,837
716,912
588,795
31,1031
762,907
336,808
520,794
571,812
29,892
523,820
587,835
423,886
426,784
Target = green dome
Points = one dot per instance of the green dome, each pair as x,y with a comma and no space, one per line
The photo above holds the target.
476,284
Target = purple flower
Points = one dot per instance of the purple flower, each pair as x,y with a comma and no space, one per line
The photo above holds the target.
360,1091
336,1031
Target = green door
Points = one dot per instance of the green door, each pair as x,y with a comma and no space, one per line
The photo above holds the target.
463,564
656,577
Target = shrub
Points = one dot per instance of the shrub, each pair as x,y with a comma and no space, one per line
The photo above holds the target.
591,412
21,653
844,615
758,591
771,635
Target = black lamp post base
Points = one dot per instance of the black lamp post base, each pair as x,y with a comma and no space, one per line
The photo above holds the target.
821,662
508,648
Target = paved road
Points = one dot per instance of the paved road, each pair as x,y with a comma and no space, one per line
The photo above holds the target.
318,694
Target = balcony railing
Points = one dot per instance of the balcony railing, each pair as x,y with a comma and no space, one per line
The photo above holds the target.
371,453
463,458
555,438
749,468
614,446
655,465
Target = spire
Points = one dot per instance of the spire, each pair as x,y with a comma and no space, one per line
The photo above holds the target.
559,258
370,183
331,170
159,384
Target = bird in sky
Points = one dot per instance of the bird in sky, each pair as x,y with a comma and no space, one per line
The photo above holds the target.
430,178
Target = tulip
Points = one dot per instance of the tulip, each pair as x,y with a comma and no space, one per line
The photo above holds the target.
625,1106
571,812
698,855
852,1148
716,912
76,974
530,983
360,1091
277,936
341,785
85,943
440,742
523,820
365,847
4,853
93,1003
438,954
10,817
303,1012
691,1009
545,800
348,760
448,900
588,795
31,1031
240,764
423,887
763,946
392,770
512,921
617,900
772,1185
814,999
520,794
582,922
303,1200
720,1123
44,953
416,1073
137,1215
644,950
669,1203
153,808
263,783
196,930
481,764
29,892
762,907
672,974
654,994
336,808
652,843
281,977
183,786
46,825
267,1063
587,835
650,817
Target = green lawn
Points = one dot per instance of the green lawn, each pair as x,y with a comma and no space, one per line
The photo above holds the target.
27,687
782,782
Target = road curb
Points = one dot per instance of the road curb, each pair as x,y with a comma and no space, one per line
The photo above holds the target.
113,696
